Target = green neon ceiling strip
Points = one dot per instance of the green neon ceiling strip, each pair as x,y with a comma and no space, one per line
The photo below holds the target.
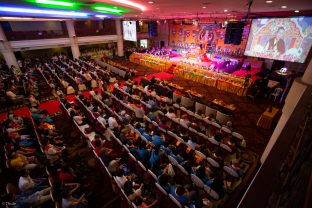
57,3
108,9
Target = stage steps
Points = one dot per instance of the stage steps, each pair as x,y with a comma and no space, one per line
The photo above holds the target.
171,69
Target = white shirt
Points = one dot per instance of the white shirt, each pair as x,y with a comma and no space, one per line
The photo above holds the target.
171,115
11,95
112,123
25,183
146,88
102,120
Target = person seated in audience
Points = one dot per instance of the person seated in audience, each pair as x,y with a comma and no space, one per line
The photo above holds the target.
64,83
152,103
201,113
143,152
116,165
125,88
158,139
155,157
147,88
153,92
52,152
78,79
211,118
153,114
80,119
15,118
112,123
12,145
218,185
108,101
12,96
171,114
163,124
33,200
98,95
131,191
184,121
33,101
140,203
29,185
139,111
66,174
20,162
69,201
102,119
180,194
202,173
146,134
192,142
164,180
163,107
234,165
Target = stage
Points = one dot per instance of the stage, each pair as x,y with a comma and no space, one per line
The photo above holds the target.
176,58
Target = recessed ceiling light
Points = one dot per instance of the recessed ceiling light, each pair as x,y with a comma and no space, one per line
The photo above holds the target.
225,10
150,2
283,7
268,2
204,7
297,11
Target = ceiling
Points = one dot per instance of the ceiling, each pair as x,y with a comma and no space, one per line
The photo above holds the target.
164,9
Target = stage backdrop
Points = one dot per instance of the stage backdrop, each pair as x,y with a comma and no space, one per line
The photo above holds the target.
208,37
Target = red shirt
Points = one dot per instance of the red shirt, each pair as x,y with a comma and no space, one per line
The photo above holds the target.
65,177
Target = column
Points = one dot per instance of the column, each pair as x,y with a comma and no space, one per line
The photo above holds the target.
6,50
120,50
267,178
73,38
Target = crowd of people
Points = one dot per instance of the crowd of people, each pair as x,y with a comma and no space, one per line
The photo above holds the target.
154,131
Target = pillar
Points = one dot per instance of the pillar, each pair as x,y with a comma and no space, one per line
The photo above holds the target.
120,50
267,179
73,38
6,50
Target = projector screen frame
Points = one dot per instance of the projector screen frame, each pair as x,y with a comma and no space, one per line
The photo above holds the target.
249,45
129,34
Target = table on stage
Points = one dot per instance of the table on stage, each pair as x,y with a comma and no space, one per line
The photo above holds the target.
267,117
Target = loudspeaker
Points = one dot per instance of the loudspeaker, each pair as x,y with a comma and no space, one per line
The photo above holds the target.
152,29
234,33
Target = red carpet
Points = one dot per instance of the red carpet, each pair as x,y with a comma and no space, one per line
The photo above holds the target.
160,75
51,106
19,112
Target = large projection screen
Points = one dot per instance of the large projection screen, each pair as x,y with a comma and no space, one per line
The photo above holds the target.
285,39
129,30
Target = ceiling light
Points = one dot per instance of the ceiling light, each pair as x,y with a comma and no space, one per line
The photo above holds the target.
297,11
268,2
15,18
130,3
42,11
283,7
150,2
204,7
108,9
101,16
225,10
59,3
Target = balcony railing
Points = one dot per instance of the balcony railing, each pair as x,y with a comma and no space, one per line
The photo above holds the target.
34,35
94,32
